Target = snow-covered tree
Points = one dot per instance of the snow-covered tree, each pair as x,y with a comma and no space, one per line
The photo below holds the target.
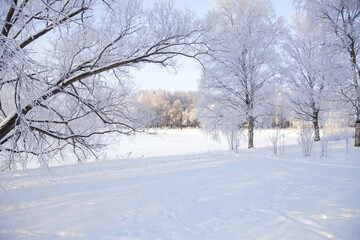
342,19
242,61
64,66
307,71
176,114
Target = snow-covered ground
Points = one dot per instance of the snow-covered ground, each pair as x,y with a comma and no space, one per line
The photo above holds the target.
170,142
182,185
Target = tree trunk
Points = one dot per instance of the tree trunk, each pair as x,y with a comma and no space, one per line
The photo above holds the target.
316,127
357,91
250,132
357,133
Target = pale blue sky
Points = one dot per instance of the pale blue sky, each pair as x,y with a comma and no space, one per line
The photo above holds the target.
187,76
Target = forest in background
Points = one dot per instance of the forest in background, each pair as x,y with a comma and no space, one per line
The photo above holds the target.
170,109
178,109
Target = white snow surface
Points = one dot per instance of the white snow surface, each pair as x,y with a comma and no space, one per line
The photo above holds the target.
182,185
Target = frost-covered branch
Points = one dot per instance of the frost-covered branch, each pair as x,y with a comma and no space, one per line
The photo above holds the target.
64,69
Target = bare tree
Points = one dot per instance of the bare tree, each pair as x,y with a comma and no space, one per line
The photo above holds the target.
243,58
64,70
342,19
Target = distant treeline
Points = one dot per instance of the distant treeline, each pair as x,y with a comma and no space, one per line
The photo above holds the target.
179,109
171,109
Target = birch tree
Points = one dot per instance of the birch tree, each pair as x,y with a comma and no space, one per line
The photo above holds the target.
307,71
64,70
243,59
342,19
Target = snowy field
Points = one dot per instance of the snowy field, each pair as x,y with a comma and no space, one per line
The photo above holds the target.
182,185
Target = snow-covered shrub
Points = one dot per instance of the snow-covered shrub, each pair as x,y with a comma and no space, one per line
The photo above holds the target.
219,119
324,147
277,139
233,134
306,140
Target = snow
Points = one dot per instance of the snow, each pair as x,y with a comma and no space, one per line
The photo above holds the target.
188,187
169,142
